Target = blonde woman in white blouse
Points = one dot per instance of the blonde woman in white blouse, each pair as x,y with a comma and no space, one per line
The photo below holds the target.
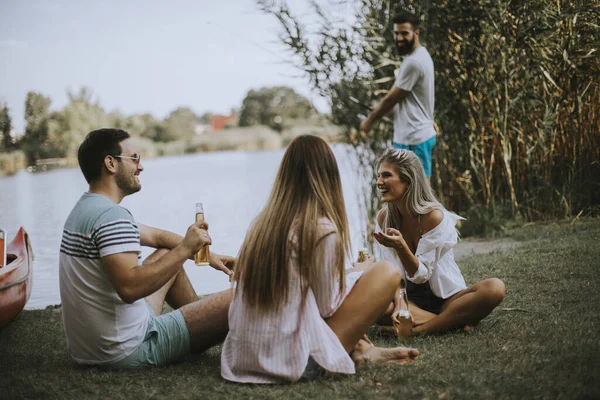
418,234
292,313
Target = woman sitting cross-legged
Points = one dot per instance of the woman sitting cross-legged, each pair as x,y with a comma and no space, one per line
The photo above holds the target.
418,234
291,313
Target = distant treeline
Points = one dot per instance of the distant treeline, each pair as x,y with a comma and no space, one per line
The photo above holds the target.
58,133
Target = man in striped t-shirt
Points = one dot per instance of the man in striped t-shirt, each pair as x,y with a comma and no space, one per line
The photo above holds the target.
111,302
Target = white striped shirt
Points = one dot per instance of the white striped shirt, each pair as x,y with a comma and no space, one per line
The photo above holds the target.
99,326
275,348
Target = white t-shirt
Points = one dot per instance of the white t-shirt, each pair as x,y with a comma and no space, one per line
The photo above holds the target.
99,326
413,115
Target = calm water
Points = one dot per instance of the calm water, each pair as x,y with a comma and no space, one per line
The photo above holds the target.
232,185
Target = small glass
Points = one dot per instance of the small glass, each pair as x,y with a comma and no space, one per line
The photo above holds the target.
202,257
363,247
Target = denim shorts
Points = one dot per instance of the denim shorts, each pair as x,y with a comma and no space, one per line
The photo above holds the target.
422,150
167,340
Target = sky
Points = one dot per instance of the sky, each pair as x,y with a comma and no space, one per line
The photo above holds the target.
141,56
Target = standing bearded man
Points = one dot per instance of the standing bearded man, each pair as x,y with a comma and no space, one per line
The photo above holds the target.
412,96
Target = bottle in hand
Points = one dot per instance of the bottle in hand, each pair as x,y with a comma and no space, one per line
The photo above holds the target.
202,257
363,249
402,318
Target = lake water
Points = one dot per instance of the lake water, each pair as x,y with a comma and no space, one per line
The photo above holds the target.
232,185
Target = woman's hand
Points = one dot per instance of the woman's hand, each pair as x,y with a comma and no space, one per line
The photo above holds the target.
222,263
393,239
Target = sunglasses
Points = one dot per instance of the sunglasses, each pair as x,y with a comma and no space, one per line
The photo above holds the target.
136,159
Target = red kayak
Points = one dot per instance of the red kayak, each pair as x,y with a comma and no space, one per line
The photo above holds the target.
16,278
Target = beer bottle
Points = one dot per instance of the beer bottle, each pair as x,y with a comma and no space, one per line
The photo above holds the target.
202,257
402,317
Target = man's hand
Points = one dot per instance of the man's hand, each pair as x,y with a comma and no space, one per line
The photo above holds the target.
366,125
196,237
222,263
393,239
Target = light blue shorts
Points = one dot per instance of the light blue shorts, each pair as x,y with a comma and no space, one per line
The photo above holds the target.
167,340
422,150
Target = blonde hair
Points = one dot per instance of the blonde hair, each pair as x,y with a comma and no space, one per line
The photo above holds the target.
419,197
307,187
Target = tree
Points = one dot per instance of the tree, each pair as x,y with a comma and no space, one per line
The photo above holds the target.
206,118
180,124
274,107
69,126
7,143
34,141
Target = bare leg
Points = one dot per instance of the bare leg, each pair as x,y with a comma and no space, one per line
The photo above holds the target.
365,303
419,315
467,307
207,320
178,291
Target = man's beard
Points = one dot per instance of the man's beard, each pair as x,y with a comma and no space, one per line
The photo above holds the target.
127,186
407,48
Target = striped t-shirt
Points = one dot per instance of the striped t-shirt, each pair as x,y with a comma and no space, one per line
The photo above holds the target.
99,326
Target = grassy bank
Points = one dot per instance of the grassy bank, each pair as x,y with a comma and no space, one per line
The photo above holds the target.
542,343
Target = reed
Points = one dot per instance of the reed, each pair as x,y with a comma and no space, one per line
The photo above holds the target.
517,94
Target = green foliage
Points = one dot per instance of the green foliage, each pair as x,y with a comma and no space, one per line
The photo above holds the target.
180,124
7,144
517,103
145,125
50,134
35,140
274,107
11,162
517,94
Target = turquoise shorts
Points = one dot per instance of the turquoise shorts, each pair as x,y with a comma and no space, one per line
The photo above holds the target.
422,150
167,340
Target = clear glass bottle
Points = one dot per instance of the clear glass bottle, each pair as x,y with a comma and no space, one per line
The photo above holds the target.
401,317
202,257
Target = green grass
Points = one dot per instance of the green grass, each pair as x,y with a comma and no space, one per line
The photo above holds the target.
543,342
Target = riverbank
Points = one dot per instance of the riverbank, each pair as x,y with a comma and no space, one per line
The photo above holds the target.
252,138
542,342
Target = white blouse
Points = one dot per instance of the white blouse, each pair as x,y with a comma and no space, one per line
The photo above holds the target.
276,347
436,258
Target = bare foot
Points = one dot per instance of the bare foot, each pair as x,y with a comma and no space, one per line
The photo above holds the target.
366,352
468,329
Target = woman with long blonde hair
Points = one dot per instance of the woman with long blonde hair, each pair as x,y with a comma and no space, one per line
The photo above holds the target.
418,234
292,314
